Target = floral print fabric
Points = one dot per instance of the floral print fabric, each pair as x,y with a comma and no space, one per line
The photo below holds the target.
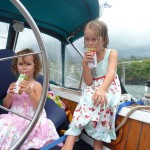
98,122
13,126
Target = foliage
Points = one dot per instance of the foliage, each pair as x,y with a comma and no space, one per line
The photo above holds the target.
136,71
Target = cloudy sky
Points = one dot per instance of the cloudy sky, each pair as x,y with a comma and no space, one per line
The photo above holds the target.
128,23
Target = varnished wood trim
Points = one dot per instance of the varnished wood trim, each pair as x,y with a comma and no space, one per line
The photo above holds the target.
139,136
144,143
119,136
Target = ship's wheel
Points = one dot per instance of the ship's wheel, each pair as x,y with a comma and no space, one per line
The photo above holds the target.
44,58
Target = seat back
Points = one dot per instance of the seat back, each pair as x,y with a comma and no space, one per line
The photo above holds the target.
6,74
52,109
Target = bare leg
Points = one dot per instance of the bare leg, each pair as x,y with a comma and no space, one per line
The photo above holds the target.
69,142
98,145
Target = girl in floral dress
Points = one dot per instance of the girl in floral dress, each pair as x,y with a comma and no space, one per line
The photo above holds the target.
101,91
13,126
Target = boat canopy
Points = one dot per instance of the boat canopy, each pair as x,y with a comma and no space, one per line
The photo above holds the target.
59,18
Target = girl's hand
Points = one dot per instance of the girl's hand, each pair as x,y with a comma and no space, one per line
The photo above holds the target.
8,99
25,86
88,57
100,97
11,90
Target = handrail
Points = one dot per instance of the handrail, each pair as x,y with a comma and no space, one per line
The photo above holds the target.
7,58
132,61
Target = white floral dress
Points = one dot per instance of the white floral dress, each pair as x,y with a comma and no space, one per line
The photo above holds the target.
13,126
98,122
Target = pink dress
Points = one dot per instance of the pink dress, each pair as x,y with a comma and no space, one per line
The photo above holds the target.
13,126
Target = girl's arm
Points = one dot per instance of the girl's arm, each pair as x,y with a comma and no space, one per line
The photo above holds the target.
86,70
8,99
100,94
34,92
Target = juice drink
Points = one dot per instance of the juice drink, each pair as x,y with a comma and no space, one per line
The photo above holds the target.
17,87
93,63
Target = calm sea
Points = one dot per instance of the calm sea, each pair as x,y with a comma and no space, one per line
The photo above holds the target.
136,90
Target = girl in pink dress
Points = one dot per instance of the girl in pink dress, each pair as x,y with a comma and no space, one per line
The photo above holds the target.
13,126
101,92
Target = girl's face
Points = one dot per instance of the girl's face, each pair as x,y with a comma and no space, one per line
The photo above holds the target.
26,65
91,40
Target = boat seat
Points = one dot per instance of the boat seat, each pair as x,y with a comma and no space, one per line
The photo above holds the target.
56,114
7,77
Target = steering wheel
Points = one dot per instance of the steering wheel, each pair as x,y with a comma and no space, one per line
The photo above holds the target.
37,34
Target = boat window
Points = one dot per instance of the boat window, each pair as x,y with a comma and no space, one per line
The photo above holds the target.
53,47
26,39
73,65
3,34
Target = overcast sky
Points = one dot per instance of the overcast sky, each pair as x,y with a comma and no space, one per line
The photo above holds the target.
128,23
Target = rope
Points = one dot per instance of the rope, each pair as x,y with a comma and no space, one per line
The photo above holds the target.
129,113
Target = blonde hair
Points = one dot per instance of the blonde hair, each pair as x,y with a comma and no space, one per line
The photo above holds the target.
36,59
100,29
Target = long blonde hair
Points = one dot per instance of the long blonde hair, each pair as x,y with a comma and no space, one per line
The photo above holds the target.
100,29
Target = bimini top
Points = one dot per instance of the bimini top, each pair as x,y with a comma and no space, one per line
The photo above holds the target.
58,18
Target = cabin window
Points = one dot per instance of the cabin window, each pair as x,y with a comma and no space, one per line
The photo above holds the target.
53,47
73,66
3,34
26,39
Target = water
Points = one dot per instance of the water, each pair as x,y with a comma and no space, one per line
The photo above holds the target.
136,90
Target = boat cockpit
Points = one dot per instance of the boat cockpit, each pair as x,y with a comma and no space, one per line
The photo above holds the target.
52,29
